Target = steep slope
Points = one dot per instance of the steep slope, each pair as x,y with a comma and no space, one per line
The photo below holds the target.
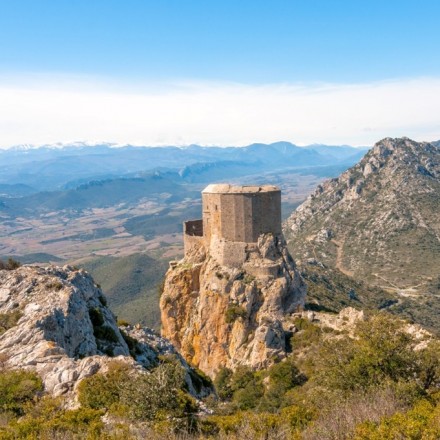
54,321
379,221
220,316
131,285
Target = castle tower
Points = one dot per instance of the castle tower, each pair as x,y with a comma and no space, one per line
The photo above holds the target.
233,219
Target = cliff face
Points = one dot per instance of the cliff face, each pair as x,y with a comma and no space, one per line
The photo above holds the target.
220,316
54,321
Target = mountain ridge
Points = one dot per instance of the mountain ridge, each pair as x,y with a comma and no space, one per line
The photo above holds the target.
379,220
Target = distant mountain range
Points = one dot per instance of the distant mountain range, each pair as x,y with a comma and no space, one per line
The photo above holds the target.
95,194
58,166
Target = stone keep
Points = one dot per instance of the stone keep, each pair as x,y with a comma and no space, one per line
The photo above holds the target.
233,219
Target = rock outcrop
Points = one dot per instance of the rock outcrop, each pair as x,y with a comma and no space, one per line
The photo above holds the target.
60,327
221,316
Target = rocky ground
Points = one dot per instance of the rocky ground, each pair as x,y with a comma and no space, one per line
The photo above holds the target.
218,316
55,321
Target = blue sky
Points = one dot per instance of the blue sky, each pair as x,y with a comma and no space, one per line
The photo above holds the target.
150,47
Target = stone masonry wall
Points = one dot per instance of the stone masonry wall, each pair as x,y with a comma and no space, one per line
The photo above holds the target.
192,234
232,218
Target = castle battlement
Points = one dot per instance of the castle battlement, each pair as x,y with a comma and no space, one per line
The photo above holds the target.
233,219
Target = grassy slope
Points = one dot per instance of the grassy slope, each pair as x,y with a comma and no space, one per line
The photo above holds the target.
131,285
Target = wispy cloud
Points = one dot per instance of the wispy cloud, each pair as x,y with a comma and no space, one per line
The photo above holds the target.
217,113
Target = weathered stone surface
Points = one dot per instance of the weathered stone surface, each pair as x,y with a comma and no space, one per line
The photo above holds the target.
224,316
66,332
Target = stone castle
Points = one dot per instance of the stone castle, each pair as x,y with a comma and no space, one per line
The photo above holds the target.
229,301
234,217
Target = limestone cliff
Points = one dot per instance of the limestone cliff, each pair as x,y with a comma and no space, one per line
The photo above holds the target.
218,315
55,322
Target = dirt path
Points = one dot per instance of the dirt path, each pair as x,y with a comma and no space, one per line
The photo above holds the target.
339,254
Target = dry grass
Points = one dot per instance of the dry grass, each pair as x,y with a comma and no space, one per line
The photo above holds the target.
340,420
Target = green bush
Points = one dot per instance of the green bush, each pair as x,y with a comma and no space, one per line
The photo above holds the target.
105,333
47,419
222,383
382,351
247,388
102,391
307,335
151,396
17,388
9,320
233,312
96,316
420,422
10,264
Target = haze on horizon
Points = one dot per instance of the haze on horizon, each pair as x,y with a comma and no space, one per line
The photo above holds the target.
218,73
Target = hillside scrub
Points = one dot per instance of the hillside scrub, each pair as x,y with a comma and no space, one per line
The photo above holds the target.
380,383
10,264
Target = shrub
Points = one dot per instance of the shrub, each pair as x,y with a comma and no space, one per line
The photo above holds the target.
420,422
247,388
307,335
96,316
17,388
381,351
105,333
102,391
234,312
222,383
140,396
10,264
47,419
283,376
246,425
55,285
9,320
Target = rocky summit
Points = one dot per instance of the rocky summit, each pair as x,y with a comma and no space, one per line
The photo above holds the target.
221,316
379,221
55,322
228,302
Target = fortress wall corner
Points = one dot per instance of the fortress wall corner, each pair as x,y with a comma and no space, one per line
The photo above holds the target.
192,234
266,214
211,215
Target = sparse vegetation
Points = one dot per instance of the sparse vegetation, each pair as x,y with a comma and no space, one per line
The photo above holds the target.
374,385
233,312
9,320
9,264
54,285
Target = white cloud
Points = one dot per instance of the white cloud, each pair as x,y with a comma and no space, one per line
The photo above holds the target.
218,113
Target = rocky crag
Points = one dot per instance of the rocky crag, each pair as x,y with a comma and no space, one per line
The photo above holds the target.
55,321
379,221
223,316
